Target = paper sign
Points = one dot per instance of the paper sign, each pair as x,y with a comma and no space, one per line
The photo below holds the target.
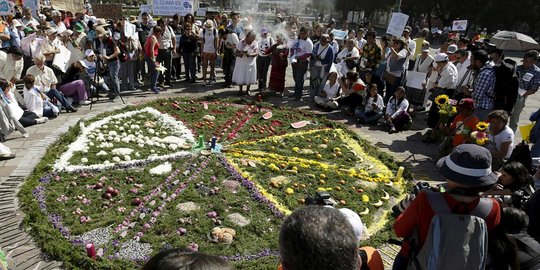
33,5
397,24
110,11
71,5
201,12
338,34
459,25
527,77
171,7
415,79
521,91
146,8
5,7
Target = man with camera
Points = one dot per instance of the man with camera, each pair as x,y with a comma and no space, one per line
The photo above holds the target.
468,173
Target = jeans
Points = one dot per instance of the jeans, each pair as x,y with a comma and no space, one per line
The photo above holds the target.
177,65
126,74
152,72
263,63
189,65
368,117
53,93
114,69
299,71
165,58
516,112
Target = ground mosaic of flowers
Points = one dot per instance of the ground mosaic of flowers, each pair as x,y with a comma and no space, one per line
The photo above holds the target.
149,177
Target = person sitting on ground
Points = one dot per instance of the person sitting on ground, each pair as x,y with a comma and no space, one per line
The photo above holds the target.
35,101
368,76
397,117
513,178
176,259
467,171
464,123
318,238
353,91
330,91
347,59
501,137
72,84
46,81
373,107
25,118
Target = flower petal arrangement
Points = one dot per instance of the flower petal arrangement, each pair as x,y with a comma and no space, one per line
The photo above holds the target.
136,181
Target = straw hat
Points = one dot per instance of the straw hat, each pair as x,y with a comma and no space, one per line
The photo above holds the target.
100,31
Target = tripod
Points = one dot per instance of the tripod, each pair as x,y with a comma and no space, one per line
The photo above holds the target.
95,82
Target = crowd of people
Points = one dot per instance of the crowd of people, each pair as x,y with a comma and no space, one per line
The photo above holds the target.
61,60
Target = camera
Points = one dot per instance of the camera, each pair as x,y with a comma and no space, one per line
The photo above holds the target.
516,200
403,204
322,198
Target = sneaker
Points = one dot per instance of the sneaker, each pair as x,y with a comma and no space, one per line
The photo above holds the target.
70,108
392,130
42,120
86,102
25,135
155,90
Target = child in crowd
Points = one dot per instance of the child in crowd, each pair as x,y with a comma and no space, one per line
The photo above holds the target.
397,118
330,92
373,107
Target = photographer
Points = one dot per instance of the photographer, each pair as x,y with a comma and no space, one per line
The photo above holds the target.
468,173
513,185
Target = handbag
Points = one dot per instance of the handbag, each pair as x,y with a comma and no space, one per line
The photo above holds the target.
435,92
389,78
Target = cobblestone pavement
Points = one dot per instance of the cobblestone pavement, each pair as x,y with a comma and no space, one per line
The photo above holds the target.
21,252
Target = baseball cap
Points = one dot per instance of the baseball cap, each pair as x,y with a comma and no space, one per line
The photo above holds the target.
440,57
88,52
452,48
466,103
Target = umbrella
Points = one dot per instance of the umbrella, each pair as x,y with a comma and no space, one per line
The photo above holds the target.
510,40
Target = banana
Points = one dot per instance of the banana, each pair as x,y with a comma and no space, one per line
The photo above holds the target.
386,196
389,184
365,212
378,204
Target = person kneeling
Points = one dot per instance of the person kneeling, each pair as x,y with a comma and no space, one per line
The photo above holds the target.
330,93
397,118
353,91
373,109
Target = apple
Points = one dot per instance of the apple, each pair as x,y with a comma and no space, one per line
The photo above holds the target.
109,190
98,185
115,192
136,202
106,196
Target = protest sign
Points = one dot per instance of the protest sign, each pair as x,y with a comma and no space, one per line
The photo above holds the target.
338,34
459,25
201,12
70,5
146,8
111,11
171,7
416,79
33,5
5,7
397,24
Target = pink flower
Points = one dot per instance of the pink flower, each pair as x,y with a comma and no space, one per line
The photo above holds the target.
181,231
86,201
121,209
146,226
84,219
193,247
212,214
62,198
57,178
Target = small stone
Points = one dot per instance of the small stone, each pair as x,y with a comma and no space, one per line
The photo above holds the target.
187,207
238,219
231,185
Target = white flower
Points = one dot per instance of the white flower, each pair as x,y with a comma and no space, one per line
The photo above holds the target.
151,131
161,169
84,150
91,136
127,158
116,159
173,146
90,143
116,139
106,162
101,153
121,128
84,160
150,142
122,151
152,151
137,154
141,145
105,127
113,133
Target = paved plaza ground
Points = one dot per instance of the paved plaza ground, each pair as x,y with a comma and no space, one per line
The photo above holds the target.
406,147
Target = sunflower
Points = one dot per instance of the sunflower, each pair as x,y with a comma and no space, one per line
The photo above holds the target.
441,99
482,126
482,141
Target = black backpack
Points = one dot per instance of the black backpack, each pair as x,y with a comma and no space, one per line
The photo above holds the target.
506,86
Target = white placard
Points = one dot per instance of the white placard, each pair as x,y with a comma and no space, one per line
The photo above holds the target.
397,24
459,25
61,60
172,7
201,12
146,8
33,5
6,7
340,35
415,79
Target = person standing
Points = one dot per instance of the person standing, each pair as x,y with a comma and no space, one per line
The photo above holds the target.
245,69
483,88
446,83
371,52
151,52
230,40
395,66
300,53
529,81
110,55
188,47
167,42
209,45
264,59
279,52
322,59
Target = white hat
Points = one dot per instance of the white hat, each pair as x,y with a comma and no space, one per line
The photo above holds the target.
209,24
198,23
67,33
440,57
89,52
51,32
83,64
355,221
16,23
452,48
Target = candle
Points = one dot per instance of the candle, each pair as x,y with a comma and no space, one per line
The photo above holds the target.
213,144
399,173
201,141
90,250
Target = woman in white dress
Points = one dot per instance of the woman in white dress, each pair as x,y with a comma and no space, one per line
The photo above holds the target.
245,69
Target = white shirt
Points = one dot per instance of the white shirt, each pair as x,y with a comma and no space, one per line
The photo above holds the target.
13,106
209,36
335,46
27,22
462,70
43,78
378,100
361,43
165,40
265,44
33,101
345,53
506,135
423,65
394,108
301,47
60,28
449,77
232,39
412,48
10,68
331,90
91,70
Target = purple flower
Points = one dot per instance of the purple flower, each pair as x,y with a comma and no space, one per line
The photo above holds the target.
193,247
212,214
181,231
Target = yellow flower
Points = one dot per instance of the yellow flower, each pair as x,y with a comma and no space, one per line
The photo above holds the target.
454,110
365,198
289,191
481,141
441,99
482,126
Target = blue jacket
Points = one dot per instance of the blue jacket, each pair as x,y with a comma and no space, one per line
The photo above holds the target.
326,60
535,131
